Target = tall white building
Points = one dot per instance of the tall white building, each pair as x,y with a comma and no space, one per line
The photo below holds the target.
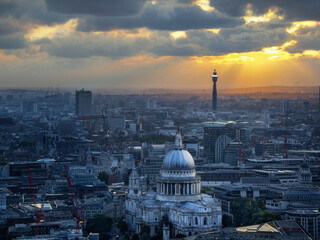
178,199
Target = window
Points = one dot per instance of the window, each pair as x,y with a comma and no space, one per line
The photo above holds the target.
205,221
196,221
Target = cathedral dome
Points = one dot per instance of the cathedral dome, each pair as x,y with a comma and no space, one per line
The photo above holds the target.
178,159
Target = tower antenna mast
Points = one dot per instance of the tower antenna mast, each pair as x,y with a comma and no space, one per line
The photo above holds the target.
214,90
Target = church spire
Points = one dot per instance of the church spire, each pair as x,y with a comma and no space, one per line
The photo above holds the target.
178,140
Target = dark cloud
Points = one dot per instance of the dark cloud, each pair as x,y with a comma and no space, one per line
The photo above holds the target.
30,11
170,49
162,18
97,7
294,10
80,46
103,15
8,27
257,34
160,43
16,18
13,41
307,39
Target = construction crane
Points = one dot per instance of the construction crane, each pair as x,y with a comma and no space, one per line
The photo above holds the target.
74,204
38,212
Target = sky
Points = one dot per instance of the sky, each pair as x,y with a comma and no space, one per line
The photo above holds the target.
159,44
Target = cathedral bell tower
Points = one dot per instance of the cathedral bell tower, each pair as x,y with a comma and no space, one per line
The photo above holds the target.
134,184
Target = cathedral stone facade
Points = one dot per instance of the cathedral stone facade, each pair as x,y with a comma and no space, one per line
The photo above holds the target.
178,204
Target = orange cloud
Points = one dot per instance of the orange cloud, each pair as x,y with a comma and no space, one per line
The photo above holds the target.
7,57
259,57
267,17
204,5
135,33
50,32
178,34
296,26
214,30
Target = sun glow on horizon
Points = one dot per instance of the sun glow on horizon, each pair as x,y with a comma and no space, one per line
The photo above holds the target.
256,57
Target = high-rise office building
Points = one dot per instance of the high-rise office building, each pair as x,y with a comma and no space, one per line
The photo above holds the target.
220,145
84,103
287,106
211,134
231,153
29,106
214,91
151,104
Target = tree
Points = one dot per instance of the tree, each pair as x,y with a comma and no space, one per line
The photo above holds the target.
100,224
247,212
265,216
103,177
122,225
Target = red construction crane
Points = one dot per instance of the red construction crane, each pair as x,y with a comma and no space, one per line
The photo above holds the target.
74,204
37,211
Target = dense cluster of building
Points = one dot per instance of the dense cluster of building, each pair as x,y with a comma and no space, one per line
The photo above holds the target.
169,163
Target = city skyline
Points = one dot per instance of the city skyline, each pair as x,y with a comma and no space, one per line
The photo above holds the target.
158,44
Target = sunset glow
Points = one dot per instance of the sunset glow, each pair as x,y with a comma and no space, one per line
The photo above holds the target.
296,26
204,5
50,32
145,42
178,34
267,17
